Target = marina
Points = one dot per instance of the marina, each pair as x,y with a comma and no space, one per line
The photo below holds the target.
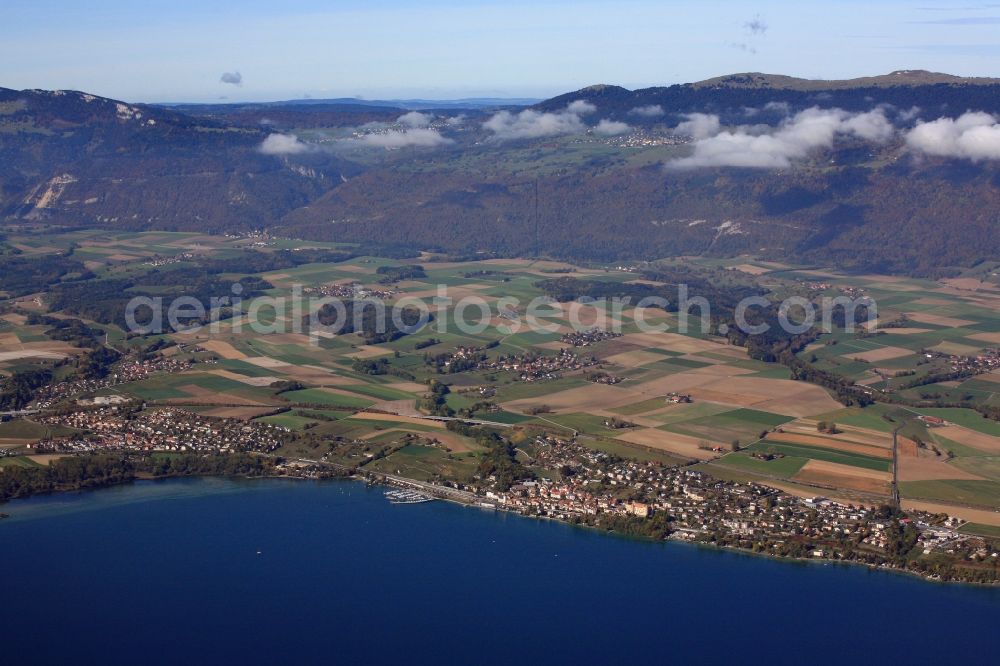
407,496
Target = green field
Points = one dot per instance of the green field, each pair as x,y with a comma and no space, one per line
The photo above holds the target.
783,467
320,397
818,453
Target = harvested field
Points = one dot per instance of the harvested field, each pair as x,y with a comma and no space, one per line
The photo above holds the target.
243,413
401,407
223,349
956,349
872,438
824,473
315,374
830,443
976,440
938,320
968,284
883,354
265,362
672,342
580,399
781,396
368,351
29,353
992,338
408,387
244,379
14,442
395,418
211,397
751,269
682,445
931,468
904,330
47,458
630,359
981,516
725,398
720,370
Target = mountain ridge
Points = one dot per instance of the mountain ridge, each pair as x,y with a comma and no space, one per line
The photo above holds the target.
77,160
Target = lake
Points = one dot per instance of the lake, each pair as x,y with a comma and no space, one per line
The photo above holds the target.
275,571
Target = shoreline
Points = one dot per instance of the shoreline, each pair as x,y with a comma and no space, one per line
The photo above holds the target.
824,561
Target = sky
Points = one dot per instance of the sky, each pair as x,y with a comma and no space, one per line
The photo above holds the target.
203,51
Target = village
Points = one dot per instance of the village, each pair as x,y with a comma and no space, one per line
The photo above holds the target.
131,369
701,508
119,428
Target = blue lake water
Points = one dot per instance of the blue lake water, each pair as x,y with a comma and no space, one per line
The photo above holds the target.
168,572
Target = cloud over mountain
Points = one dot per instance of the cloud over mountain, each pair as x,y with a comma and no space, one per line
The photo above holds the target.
611,127
394,139
283,144
794,139
648,111
698,126
973,136
530,124
415,119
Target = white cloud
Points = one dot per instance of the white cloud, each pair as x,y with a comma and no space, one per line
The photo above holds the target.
871,126
793,140
531,124
283,144
973,136
393,139
581,107
698,125
910,114
415,119
611,127
780,107
648,111
232,78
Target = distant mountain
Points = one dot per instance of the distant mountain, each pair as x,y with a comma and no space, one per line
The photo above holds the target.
732,95
341,112
79,160
73,158
903,77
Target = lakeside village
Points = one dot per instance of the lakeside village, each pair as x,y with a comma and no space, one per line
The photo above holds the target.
592,488
650,499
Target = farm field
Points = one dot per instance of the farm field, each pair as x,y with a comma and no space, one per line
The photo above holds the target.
675,397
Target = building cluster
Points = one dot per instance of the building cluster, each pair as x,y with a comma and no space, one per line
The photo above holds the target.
588,337
351,290
987,361
704,508
605,378
131,369
116,428
532,367
156,262
641,138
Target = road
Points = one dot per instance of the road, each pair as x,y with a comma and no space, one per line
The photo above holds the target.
895,467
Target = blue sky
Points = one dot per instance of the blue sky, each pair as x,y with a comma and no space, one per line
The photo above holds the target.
177,51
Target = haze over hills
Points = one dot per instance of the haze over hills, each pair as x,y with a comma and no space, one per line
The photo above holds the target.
603,173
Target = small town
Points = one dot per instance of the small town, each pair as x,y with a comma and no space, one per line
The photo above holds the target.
128,370
121,428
